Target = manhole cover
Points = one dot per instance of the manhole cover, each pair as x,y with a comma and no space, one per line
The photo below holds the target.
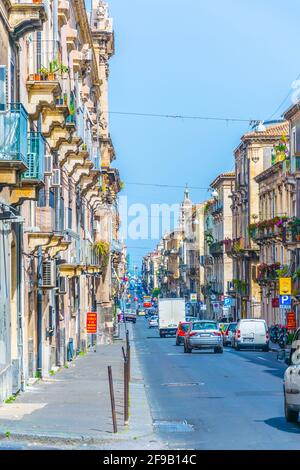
258,393
173,426
182,384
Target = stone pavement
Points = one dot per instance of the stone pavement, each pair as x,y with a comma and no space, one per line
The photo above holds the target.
72,408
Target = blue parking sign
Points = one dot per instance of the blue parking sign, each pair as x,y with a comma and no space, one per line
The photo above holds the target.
227,301
285,300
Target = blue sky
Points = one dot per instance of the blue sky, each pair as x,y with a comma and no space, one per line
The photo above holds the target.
221,58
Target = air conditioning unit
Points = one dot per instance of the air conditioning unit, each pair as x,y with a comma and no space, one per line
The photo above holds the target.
56,178
48,165
88,56
48,274
62,285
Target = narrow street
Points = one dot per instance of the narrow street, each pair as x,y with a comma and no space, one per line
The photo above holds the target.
231,401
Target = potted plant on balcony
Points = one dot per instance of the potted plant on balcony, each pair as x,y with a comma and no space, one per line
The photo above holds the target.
43,73
38,2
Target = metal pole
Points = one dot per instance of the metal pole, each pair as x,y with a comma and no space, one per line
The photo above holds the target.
112,399
126,397
128,353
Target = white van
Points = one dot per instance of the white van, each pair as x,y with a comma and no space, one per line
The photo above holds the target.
251,333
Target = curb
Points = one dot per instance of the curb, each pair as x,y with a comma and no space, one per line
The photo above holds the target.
61,439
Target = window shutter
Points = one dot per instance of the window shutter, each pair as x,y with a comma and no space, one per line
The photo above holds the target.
3,87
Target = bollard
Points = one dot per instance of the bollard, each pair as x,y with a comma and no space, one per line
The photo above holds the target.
112,399
128,354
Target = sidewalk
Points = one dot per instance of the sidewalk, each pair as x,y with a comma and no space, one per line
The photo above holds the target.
73,407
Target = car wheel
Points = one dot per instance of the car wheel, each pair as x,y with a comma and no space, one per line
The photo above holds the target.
189,350
184,348
237,347
290,415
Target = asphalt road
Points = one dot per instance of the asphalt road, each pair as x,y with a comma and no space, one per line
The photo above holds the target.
214,401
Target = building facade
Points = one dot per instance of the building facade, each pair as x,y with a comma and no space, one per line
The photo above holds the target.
58,191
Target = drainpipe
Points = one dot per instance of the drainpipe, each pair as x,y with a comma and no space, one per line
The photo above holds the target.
39,312
55,24
20,302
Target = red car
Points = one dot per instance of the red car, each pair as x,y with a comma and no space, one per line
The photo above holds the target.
181,330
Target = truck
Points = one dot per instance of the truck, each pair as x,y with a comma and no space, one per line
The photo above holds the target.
170,313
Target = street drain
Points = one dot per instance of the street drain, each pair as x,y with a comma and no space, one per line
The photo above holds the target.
173,426
182,384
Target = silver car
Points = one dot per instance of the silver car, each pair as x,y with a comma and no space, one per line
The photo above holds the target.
153,321
203,334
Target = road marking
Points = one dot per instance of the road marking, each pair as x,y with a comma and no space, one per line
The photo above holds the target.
262,358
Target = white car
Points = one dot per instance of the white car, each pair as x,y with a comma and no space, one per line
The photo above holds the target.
251,333
153,321
291,383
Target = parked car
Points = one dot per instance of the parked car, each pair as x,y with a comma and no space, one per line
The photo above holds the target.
153,321
203,334
229,333
130,315
291,381
251,333
181,331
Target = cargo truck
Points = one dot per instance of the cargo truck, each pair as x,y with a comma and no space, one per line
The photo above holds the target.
170,313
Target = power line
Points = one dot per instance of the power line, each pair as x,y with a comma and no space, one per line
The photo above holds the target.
179,116
283,101
166,186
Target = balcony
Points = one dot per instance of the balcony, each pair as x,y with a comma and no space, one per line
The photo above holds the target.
33,178
45,72
267,273
216,249
266,230
237,247
71,39
13,143
291,234
63,13
27,16
77,60
216,208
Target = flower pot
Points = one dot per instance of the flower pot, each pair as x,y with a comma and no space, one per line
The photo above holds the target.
37,77
37,1
31,77
298,238
51,76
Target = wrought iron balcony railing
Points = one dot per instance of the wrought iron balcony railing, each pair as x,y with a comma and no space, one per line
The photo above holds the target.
13,133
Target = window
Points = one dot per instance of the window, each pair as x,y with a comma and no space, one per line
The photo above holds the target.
3,87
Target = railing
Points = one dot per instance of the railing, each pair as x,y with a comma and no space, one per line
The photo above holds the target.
35,157
44,60
216,208
13,133
216,248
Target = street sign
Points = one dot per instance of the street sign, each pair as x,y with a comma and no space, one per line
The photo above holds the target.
275,302
193,298
285,301
203,307
285,285
291,320
227,301
91,322
213,297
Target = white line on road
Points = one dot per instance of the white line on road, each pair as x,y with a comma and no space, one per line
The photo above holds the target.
262,358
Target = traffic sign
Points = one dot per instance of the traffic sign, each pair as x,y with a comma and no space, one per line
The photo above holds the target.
285,285
291,320
193,298
227,301
285,300
91,322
